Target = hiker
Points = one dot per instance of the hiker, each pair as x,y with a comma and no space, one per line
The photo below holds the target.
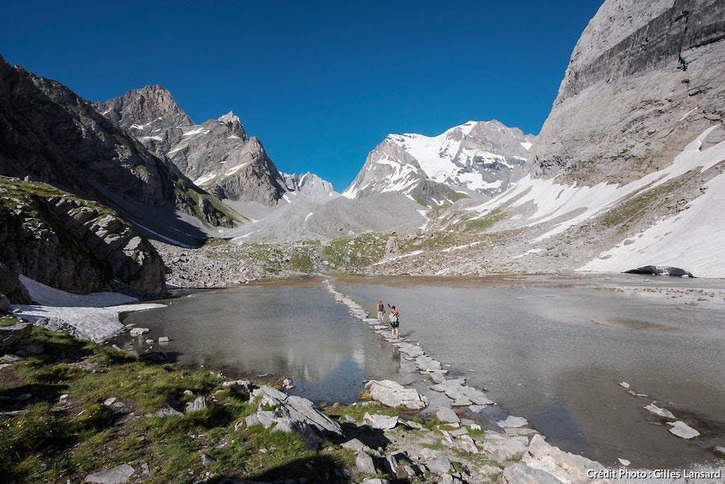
381,312
394,322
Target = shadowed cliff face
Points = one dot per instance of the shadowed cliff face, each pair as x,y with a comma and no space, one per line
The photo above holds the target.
49,134
644,79
73,244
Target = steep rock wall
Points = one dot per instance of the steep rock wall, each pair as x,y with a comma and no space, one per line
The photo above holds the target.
644,79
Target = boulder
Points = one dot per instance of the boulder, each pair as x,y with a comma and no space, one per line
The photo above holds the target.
297,408
564,466
12,336
364,463
381,422
394,395
447,415
116,475
522,474
197,405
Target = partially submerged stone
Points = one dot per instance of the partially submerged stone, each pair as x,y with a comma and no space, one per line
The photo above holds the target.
512,422
660,412
682,430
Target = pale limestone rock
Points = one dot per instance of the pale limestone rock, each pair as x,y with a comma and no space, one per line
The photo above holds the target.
395,395
682,430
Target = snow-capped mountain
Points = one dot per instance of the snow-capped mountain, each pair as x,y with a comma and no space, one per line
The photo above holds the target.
474,158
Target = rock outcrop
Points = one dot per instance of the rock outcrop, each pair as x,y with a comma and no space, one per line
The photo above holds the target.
644,79
51,135
71,244
310,186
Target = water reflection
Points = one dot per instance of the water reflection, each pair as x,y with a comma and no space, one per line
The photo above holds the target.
293,330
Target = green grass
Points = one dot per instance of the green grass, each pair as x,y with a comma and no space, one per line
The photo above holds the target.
8,320
353,253
57,443
357,412
631,211
485,223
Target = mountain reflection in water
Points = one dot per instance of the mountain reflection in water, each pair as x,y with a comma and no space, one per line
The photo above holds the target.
293,330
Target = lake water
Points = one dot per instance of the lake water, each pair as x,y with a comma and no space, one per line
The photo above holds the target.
291,329
551,349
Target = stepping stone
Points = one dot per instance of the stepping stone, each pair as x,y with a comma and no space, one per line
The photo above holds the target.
447,415
660,412
512,422
682,430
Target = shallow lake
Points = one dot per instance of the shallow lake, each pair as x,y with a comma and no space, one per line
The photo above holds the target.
551,349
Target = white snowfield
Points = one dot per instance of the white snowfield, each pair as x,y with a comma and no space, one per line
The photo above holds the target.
693,239
93,316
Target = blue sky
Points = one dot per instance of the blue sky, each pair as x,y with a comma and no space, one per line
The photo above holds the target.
321,83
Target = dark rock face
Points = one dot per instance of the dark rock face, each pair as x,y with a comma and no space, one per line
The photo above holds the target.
71,244
660,271
10,286
644,79
49,134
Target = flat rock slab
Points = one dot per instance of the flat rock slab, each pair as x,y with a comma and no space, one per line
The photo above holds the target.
381,422
566,467
502,448
512,422
364,463
660,412
392,394
428,364
682,430
523,474
447,415
117,475
410,349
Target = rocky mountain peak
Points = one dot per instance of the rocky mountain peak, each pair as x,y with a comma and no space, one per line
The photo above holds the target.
234,124
140,107
309,186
